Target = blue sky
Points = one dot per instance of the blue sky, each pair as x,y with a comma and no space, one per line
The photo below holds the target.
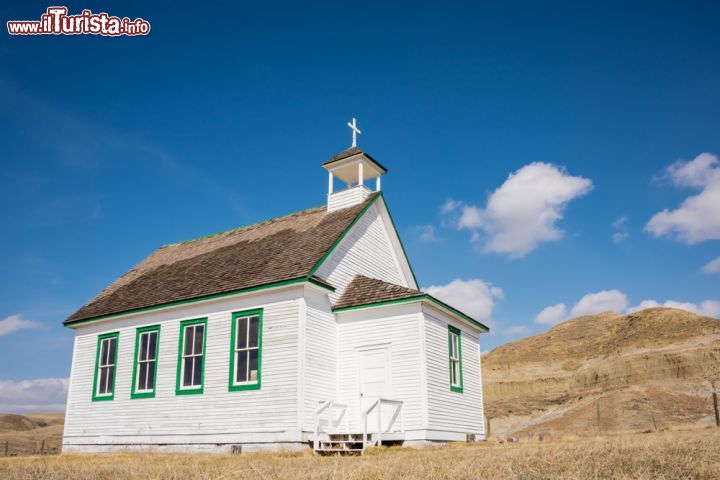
221,117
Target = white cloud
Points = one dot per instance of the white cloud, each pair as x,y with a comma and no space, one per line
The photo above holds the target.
426,233
14,323
41,395
619,237
700,172
450,205
621,231
617,301
596,302
552,315
471,217
601,301
709,308
698,217
473,297
523,212
517,330
643,305
713,266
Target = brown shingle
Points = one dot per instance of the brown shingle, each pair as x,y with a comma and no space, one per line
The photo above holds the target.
364,290
349,153
282,249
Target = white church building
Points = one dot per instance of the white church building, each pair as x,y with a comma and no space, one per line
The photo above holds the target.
307,330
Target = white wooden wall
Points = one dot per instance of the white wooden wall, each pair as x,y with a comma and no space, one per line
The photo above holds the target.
365,250
348,197
309,355
217,415
319,358
398,327
447,410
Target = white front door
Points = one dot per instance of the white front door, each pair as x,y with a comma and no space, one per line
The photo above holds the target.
374,382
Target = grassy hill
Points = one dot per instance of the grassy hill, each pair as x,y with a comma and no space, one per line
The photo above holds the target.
642,371
25,433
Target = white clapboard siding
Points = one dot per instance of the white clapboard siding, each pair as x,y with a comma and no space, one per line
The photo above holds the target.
447,410
348,197
320,357
365,250
397,327
189,418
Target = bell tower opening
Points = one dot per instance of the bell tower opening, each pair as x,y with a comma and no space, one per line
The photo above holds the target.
353,167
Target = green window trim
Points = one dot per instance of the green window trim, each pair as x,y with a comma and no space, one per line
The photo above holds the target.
105,397
179,389
138,333
456,386
232,385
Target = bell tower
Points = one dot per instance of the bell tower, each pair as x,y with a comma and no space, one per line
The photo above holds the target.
353,167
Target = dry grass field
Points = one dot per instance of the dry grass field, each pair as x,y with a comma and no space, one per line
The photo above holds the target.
664,455
26,434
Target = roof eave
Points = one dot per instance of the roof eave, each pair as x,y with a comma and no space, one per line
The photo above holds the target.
420,298
311,280
379,165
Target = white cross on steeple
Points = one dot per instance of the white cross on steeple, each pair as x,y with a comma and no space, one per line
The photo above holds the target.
355,130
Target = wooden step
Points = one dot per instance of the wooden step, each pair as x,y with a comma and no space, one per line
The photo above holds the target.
339,450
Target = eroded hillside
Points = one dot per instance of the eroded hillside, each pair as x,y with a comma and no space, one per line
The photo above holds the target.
645,370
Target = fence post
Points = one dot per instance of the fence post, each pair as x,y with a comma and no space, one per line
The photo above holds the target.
6,447
715,406
489,428
597,413
42,447
652,414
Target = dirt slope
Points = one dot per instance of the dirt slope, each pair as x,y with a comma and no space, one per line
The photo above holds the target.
25,434
641,371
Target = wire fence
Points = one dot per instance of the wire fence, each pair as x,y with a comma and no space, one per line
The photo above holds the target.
10,448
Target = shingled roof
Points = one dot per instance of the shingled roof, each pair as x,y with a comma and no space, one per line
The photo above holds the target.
349,153
364,290
278,250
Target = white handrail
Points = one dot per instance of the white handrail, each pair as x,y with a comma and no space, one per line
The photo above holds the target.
328,406
379,403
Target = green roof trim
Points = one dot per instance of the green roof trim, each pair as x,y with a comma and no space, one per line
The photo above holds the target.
342,235
357,219
420,297
402,247
310,278
206,297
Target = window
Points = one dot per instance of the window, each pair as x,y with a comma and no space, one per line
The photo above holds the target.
191,357
246,350
455,358
147,341
105,362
